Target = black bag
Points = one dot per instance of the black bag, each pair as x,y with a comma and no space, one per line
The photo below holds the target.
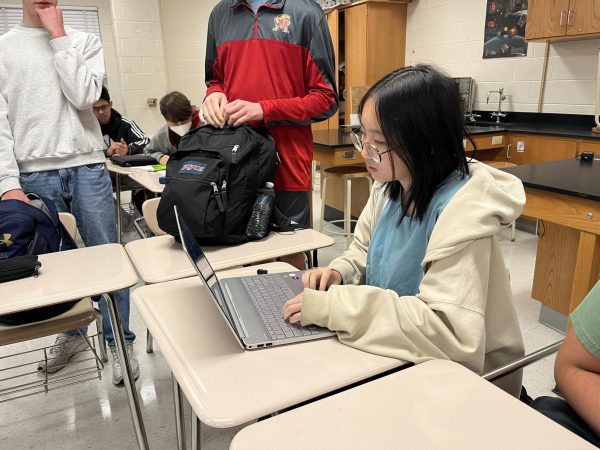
19,267
133,160
213,178
31,229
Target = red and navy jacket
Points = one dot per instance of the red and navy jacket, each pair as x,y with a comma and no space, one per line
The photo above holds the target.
281,57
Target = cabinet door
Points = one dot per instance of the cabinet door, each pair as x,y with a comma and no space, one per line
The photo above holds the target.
546,18
528,149
589,146
584,17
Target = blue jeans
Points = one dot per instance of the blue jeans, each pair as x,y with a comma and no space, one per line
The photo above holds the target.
86,192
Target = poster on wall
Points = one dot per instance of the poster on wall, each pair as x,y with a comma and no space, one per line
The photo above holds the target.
504,34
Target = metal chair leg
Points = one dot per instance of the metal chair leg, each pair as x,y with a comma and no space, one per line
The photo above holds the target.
513,228
101,339
322,218
179,414
149,342
196,432
348,211
132,395
138,228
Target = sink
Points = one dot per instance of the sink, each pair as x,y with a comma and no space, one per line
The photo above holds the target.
480,123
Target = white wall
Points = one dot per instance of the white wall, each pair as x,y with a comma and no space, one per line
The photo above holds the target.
449,33
139,72
141,62
185,23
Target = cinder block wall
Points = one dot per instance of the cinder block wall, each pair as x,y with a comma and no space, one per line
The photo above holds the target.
450,33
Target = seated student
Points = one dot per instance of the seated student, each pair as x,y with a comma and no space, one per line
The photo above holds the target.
121,135
424,277
181,117
577,373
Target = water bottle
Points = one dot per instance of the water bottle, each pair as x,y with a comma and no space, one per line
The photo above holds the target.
260,219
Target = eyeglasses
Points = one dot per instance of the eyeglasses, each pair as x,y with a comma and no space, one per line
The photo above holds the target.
373,152
101,109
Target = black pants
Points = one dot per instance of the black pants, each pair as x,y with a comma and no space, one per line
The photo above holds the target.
559,410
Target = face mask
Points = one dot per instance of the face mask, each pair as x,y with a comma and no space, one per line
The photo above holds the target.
181,130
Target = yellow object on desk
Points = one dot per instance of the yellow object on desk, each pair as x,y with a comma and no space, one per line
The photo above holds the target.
151,168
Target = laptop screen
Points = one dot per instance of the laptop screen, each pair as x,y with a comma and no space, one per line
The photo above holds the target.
203,267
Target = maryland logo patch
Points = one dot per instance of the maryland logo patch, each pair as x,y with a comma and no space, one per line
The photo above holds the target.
282,23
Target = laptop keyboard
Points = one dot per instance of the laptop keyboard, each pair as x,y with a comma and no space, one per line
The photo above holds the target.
268,295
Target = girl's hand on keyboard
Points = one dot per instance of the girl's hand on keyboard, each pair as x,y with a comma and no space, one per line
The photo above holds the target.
292,309
321,278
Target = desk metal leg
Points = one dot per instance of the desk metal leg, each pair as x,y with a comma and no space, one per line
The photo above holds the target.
134,403
179,415
149,342
196,432
118,193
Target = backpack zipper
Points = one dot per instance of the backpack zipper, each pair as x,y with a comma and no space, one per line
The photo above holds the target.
234,154
224,192
218,196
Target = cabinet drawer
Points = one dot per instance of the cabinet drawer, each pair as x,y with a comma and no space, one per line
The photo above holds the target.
347,156
589,146
529,149
486,141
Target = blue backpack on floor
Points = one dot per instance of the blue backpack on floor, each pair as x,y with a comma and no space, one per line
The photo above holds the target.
32,229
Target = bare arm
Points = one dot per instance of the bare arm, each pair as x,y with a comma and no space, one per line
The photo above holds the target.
577,374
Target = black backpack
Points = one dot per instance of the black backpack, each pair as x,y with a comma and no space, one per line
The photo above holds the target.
213,178
32,229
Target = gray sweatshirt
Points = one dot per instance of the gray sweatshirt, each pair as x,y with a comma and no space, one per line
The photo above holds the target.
159,145
47,89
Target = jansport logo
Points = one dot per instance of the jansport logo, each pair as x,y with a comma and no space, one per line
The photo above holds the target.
282,22
193,167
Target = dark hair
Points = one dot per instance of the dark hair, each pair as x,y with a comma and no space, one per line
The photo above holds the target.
104,95
175,107
419,111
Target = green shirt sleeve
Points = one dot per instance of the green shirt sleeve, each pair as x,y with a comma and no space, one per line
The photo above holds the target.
586,321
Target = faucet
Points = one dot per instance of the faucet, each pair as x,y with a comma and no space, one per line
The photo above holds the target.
472,117
497,114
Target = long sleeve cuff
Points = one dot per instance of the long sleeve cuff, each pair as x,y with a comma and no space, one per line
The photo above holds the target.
315,308
346,270
8,184
62,43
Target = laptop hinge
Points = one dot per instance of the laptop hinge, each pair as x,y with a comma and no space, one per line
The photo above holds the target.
243,330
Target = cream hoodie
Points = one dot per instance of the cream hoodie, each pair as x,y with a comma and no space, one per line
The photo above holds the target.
463,311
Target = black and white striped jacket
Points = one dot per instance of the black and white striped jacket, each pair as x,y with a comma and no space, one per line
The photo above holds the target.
121,127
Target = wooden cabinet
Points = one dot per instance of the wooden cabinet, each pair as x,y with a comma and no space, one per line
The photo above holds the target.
374,42
588,146
528,149
562,19
490,147
369,37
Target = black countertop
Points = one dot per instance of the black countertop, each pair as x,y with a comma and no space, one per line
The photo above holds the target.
569,177
572,131
565,125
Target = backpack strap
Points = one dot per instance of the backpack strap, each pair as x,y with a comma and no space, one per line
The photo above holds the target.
47,206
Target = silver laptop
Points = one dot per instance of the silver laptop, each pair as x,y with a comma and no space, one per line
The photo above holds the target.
251,305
